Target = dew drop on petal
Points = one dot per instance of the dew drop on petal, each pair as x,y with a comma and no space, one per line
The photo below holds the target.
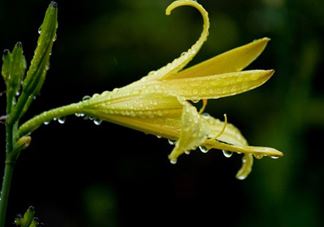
187,152
274,157
86,97
203,149
171,142
97,121
173,161
205,114
46,122
159,137
241,177
227,154
258,156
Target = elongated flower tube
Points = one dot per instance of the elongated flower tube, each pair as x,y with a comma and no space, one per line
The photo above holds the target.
160,103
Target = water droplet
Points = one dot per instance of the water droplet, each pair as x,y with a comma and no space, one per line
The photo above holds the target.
61,120
40,30
205,114
274,157
187,152
97,121
54,119
17,93
159,137
46,122
227,154
203,149
152,73
173,161
171,142
258,156
241,177
6,52
86,97
54,38
79,114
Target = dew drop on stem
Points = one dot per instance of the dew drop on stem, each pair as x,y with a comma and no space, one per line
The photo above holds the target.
61,120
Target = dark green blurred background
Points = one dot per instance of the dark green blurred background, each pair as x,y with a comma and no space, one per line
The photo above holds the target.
81,175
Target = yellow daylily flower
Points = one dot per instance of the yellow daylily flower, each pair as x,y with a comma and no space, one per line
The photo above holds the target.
159,103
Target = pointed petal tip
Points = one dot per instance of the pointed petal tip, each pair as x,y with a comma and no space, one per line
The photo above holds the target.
266,39
271,72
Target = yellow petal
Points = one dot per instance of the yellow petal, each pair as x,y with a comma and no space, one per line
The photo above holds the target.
231,61
230,135
264,151
193,132
247,159
245,170
178,63
217,86
157,113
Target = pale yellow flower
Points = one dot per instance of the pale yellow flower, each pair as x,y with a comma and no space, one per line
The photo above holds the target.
159,103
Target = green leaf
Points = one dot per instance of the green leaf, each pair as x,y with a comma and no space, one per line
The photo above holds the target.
40,63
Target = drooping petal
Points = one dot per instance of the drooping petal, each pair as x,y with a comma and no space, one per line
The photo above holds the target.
264,151
233,141
217,86
178,63
248,153
245,170
231,61
193,132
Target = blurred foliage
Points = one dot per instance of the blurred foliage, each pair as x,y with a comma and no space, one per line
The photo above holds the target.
116,174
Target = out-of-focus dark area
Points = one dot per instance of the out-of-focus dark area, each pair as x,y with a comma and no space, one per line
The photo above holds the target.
79,174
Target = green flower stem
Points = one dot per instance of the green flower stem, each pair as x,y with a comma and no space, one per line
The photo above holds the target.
47,116
12,135
8,172
9,168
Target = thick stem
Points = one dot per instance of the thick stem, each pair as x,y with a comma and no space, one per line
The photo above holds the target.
6,183
8,172
47,116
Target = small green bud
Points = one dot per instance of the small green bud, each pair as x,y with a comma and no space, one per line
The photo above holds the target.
13,71
28,218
